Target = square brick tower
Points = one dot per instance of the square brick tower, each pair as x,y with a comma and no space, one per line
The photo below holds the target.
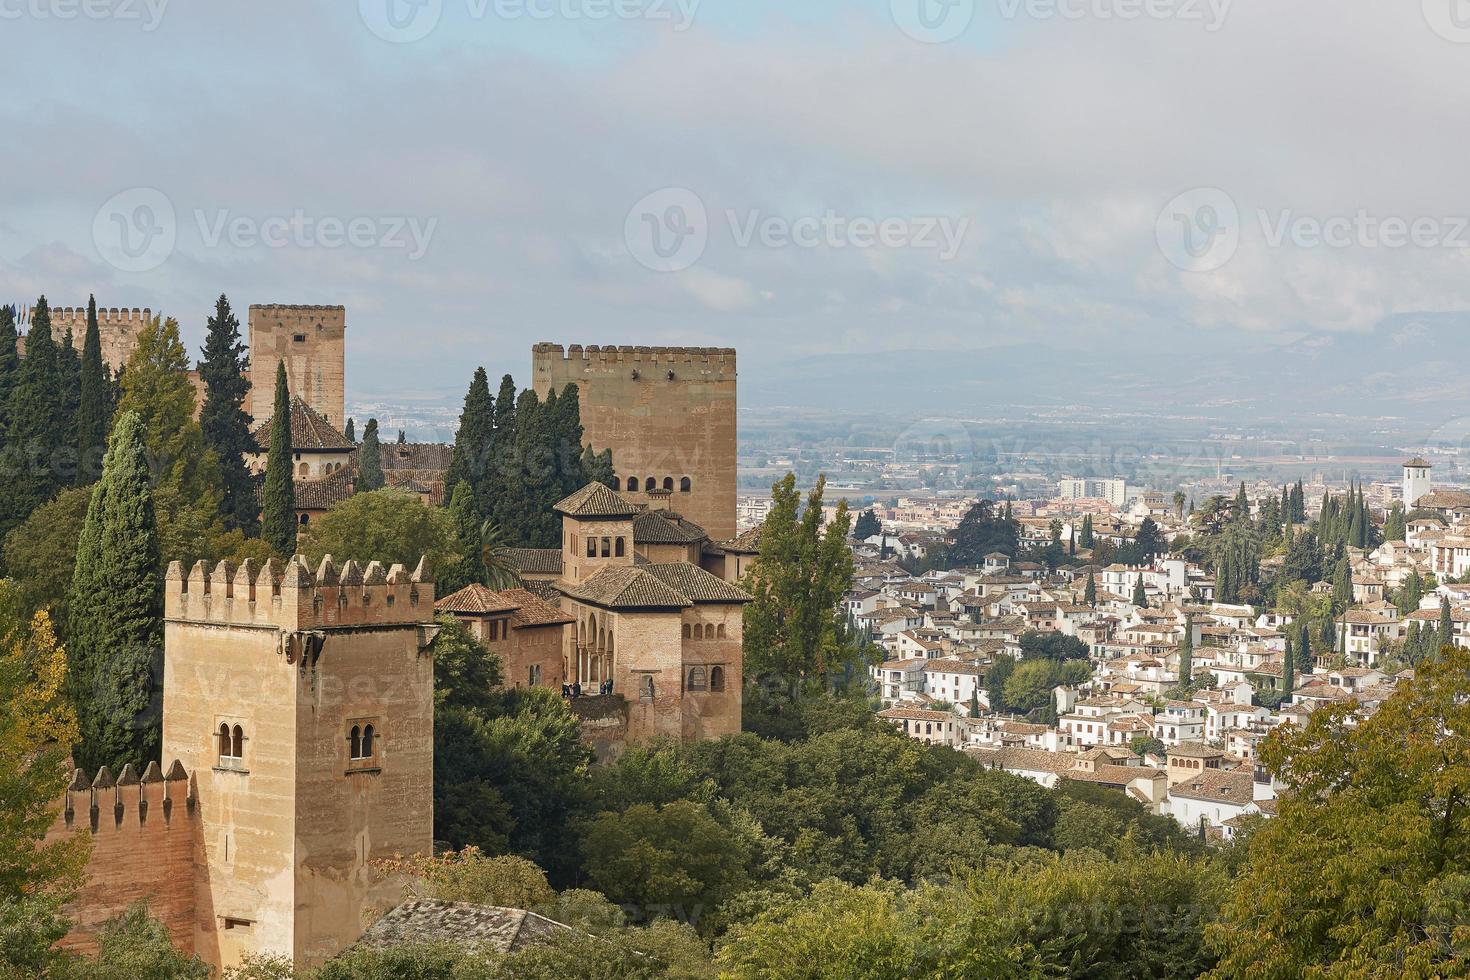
303,703
312,340
667,414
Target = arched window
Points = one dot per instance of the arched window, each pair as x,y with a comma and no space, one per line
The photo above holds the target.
305,519
669,484
688,631
717,678
591,547
224,742
621,548
685,485
607,547
720,631
237,743
645,689
303,469
650,484
696,678
354,743
367,741
632,483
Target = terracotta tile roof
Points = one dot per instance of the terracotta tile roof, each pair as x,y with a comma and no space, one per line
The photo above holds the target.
1217,786
432,457
695,584
532,611
545,591
310,432
476,926
666,527
535,561
477,600
745,543
626,587
323,494
595,500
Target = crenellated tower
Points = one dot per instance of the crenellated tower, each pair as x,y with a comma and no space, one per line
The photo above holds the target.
302,700
667,414
118,329
312,341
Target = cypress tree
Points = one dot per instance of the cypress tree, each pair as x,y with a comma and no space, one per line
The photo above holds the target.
1305,663
94,402
1087,533
975,702
474,444
1342,586
223,421
351,431
1186,652
1288,669
1090,595
567,447
466,523
369,461
32,435
1140,597
69,376
1446,623
115,650
9,361
278,515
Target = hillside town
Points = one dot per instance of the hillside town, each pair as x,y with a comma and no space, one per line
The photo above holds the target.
1177,688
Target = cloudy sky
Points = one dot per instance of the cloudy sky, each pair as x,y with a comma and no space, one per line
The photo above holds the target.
471,176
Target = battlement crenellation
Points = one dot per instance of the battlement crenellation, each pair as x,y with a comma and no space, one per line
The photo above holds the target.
106,802
722,357
293,596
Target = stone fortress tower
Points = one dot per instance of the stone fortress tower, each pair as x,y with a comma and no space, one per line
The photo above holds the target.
312,341
303,704
1417,481
668,415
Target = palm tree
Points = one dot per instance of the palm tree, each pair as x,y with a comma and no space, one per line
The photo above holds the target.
501,571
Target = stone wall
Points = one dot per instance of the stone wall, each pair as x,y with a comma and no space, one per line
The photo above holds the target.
667,413
145,835
118,330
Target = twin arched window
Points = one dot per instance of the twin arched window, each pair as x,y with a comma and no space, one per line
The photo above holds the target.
360,742
231,744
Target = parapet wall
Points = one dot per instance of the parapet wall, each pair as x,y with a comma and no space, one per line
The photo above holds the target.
145,833
720,359
118,329
294,597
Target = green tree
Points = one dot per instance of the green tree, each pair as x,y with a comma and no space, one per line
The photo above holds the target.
351,431
1186,653
675,859
474,447
1288,669
42,552
1140,597
793,627
1089,595
1399,778
115,650
9,363
1394,525
867,526
33,439
983,531
387,526
369,461
278,515
996,677
94,402
223,421
137,947
1446,623
1087,539
1342,586
465,523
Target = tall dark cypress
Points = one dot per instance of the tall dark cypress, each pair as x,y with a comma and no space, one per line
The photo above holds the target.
94,404
115,650
474,445
69,375
567,443
33,438
222,419
1305,662
351,431
9,361
278,515
369,460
